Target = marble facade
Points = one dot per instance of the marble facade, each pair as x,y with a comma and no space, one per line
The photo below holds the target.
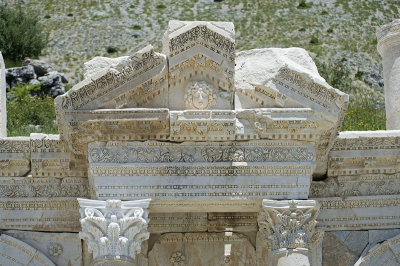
201,155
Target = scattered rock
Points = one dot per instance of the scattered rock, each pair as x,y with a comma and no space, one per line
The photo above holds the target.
41,67
37,72
52,83
17,75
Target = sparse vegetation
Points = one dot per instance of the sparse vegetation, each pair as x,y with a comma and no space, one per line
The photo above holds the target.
27,114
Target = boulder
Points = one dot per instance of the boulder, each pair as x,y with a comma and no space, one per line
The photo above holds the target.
52,83
17,75
41,68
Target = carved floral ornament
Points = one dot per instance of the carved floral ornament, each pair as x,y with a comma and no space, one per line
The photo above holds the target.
114,229
199,95
288,223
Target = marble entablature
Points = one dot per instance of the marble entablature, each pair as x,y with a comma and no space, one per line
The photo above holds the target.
199,155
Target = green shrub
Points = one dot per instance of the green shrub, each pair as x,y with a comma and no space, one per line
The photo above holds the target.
161,6
112,49
136,27
303,4
314,40
21,35
330,30
24,112
302,29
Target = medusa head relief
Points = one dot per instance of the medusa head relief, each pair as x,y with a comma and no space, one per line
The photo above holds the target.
199,95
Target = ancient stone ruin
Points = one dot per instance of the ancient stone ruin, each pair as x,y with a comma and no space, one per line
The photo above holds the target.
201,155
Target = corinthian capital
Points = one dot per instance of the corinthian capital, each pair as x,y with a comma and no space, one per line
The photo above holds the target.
288,223
114,229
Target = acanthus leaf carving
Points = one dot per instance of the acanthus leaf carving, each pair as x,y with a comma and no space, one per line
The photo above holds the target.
288,224
114,229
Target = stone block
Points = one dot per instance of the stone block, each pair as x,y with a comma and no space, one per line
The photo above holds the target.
177,222
40,214
60,248
202,125
15,156
288,79
213,170
359,213
202,249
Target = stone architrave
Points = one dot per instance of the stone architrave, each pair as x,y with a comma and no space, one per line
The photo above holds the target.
389,48
201,57
114,229
359,213
16,252
201,170
286,232
3,99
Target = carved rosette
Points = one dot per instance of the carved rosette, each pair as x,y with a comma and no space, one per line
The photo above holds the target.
114,229
288,224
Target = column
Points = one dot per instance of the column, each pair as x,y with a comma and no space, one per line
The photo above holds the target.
389,48
114,229
3,99
287,234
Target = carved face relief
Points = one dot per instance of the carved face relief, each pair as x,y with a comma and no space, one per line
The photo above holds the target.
199,95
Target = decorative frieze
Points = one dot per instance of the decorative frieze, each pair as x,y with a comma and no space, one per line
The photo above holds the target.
114,230
41,214
14,156
202,125
43,187
359,213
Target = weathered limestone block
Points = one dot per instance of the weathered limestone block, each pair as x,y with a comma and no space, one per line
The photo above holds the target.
277,123
362,163
335,252
16,252
101,103
233,221
43,187
14,156
3,99
114,230
49,156
177,222
389,48
100,63
40,214
60,248
386,253
199,171
201,58
202,249
287,233
288,78
359,213
202,125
